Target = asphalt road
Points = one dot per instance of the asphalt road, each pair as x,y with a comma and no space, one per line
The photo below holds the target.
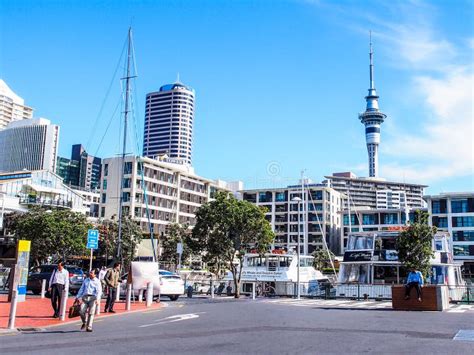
252,327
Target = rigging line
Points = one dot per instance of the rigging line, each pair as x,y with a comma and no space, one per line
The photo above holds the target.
94,127
323,232
108,126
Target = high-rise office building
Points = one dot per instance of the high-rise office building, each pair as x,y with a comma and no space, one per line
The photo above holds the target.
30,144
82,170
169,116
12,106
372,118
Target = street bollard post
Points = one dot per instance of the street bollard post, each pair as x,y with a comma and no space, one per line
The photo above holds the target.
117,293
140,295
43,288
13,303
97,306
149,294
212,288
128,299
65,294
253,290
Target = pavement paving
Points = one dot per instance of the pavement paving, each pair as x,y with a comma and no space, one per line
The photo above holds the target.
37,312
227,326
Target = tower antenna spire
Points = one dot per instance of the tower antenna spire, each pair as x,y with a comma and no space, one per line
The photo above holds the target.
371,55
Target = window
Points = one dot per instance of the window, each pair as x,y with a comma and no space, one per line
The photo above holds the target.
463,250
440,222
126,183
106,169
104,184
463,236
104,198
126,196
389,218
465,221
369,219
127,168
280,197
459,206
354,220
438,206
102,212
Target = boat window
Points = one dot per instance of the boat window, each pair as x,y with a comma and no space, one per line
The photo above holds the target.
354,273
306,262
272,263
360,242
285,261
255,261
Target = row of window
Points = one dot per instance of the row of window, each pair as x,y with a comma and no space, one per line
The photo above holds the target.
463,221
464,205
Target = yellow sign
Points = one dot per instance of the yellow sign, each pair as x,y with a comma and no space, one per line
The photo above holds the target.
24,245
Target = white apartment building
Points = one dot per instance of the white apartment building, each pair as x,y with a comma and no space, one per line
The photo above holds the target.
362,192
319,213
173,192
30,144
91,202
454,212
169,117
12,106
390,199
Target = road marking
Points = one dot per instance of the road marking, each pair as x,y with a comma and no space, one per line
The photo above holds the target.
173,319
464,335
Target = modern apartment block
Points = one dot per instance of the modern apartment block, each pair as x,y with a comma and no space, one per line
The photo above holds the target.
319,212
169,117
82,171
30,144
390,199
12,106
363,192
364,219
454,212
173,192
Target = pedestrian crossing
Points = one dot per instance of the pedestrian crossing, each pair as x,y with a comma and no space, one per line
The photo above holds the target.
353,304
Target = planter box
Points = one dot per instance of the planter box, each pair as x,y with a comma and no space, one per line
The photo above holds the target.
433,298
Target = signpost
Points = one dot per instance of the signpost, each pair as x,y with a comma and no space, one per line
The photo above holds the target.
92,242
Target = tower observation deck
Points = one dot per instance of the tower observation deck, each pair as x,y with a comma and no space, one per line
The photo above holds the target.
372,118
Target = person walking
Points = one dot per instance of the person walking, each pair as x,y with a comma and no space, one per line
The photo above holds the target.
57,282
112,280
88,297
414,280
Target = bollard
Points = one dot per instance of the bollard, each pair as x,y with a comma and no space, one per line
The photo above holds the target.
253,290
149,294
14,301
212,288
97,306
43,288
117,293
63,305
140,295
128,305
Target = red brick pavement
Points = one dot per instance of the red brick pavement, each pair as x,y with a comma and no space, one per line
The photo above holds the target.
37,313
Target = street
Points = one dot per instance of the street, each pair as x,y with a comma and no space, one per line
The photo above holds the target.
204,326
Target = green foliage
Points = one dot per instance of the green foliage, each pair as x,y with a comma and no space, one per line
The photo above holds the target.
226,229
108,238
322,259
57,233
414,244
176,233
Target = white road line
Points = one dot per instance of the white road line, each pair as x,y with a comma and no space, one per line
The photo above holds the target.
173,319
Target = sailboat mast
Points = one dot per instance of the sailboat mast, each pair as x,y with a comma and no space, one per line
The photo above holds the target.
124,150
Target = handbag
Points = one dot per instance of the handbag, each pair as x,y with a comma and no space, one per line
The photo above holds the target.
74,310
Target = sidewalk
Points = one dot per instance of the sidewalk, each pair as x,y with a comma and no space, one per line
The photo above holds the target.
37,313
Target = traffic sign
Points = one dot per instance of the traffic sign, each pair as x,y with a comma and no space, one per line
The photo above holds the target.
92,239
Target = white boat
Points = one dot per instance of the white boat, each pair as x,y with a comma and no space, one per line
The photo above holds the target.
371,263
276,275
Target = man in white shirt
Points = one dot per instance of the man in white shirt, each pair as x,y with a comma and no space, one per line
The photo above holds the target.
89,296
58,280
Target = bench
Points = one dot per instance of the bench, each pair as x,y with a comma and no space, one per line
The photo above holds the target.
433,298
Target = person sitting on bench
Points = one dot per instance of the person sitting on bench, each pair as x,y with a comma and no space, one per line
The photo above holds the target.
414,279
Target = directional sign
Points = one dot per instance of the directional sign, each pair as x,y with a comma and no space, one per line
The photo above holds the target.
92,239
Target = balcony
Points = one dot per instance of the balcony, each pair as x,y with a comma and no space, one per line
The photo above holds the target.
46,202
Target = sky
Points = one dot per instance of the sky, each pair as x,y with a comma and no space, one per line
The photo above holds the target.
279,84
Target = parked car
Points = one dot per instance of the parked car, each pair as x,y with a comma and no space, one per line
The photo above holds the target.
170,286
38,273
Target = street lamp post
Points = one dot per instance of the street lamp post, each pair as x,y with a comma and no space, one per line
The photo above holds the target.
298,292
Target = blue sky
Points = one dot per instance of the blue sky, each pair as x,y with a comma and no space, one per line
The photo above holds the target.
279,84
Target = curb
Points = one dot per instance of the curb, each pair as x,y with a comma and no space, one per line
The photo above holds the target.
4,331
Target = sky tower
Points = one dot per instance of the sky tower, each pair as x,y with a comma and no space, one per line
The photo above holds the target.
372,118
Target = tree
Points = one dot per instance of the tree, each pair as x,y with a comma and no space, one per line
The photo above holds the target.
414,244
323,259
226,229
108,239
176,233
53,233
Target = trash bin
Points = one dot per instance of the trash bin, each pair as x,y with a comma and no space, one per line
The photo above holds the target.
229,290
